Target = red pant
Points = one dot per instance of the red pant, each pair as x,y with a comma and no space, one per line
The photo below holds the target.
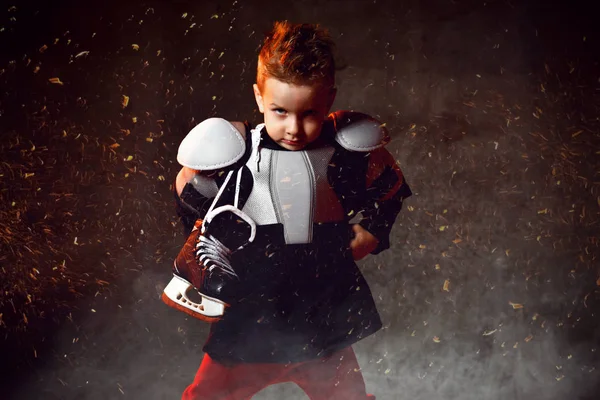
334,378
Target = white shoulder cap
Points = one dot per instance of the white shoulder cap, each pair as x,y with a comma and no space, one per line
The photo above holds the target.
214,143
359,132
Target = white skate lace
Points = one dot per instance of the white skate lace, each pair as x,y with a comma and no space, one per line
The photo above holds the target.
211,253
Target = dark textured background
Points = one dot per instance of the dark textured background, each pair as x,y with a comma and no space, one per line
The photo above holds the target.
493,108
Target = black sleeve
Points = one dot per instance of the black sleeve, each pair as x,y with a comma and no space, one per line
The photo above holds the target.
385,196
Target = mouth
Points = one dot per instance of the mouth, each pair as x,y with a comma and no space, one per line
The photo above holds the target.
292,142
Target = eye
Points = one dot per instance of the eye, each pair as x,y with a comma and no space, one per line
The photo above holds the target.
279,111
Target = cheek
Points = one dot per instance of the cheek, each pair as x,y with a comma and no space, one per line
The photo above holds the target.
312,129
274,124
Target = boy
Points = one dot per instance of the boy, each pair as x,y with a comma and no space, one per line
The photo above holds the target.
271,249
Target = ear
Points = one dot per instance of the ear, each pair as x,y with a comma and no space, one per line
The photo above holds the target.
259,99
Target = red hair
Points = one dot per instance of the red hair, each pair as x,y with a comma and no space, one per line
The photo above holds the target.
299,54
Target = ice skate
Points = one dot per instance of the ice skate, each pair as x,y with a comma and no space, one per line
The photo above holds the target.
204,263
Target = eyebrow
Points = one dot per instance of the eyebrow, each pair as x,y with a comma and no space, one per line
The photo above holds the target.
283,108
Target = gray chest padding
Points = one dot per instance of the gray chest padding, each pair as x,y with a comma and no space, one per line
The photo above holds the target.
291,188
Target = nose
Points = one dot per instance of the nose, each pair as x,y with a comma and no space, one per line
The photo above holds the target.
294,126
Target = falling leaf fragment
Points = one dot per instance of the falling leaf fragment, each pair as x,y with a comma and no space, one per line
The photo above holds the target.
515,306
81,54
488,333
129,158
56,81
114,145
135,47
125,101
457,241
528,338
43,48
436,339
446,287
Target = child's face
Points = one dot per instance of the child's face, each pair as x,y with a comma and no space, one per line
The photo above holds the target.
294,114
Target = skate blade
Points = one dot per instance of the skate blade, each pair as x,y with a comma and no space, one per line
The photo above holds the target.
174,295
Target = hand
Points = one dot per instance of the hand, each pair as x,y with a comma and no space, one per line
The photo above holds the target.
363,243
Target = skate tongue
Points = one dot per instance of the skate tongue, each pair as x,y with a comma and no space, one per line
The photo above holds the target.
229,229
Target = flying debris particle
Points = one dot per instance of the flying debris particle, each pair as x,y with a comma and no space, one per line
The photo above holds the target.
515,306
36,69
56,81
149,139
93,310
29,174
443,228
446,287
528,338
488,333
436,339
129,158
184,15
134,120
125,101
114,145
75,241
43,48
544,211
83,53
214,16
438,267
135,47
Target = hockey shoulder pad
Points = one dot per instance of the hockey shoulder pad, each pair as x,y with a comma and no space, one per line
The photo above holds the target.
360,132
212,144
